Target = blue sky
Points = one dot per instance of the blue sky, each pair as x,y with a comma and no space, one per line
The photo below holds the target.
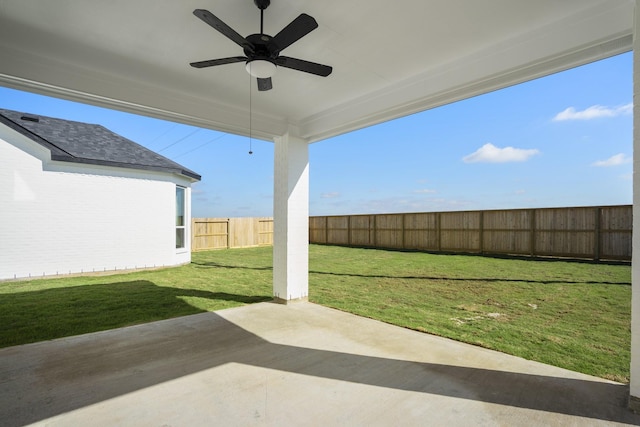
562,140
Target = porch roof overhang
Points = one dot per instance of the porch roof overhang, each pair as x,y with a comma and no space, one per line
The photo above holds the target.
389,58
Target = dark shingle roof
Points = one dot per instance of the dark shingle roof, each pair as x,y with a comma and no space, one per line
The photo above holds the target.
78,142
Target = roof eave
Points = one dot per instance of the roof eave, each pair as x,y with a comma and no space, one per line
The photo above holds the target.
182,172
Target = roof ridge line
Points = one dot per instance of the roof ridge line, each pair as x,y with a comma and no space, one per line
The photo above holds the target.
38,138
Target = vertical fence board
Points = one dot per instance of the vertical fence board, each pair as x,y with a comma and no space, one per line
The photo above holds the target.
421,231
360,229
566,232
265,231
318,229
507,232
338,230
389,231
460,231
616,224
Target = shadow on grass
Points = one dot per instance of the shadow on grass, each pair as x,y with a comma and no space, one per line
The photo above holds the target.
54,313
212,264
473,279
522,257
416,277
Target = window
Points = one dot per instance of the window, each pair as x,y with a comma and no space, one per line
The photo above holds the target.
180,218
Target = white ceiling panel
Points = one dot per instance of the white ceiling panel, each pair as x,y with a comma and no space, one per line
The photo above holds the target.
389,58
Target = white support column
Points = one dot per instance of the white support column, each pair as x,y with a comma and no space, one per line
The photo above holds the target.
291,218
634,398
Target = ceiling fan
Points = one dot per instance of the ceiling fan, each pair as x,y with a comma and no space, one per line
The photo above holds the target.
262,52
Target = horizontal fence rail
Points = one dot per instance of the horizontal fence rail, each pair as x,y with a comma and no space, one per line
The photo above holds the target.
224,233
597,233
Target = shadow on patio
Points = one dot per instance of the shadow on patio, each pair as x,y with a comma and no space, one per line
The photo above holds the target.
300,364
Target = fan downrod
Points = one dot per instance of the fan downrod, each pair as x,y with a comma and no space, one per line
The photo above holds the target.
262,4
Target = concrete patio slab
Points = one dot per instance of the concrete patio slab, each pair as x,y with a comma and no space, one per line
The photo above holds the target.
299,364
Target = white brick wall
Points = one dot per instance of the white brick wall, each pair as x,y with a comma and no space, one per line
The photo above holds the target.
61,218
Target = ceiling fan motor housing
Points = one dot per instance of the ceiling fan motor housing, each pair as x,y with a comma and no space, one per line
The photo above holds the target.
263,47
262,4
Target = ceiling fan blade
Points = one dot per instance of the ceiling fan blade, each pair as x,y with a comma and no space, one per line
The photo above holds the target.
305,66
226,30
264,84
221,61
298,28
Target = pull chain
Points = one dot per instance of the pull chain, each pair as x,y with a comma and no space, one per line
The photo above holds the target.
250,118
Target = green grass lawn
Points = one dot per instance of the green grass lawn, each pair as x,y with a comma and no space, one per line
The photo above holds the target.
568,314
45,309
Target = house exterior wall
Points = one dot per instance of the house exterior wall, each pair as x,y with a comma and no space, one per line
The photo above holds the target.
62,218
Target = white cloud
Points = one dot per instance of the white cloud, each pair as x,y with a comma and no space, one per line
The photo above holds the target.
520,192
593,112
618,159
425,191
489,153
332,195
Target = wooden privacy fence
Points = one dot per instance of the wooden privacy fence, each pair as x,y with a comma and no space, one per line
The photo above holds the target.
598,233
222,233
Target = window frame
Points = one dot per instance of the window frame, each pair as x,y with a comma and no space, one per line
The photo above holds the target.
181,216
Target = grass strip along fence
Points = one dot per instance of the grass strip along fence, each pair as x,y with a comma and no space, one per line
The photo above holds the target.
568,314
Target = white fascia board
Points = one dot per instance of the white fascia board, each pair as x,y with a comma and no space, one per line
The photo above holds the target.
548,50
119,172
31,72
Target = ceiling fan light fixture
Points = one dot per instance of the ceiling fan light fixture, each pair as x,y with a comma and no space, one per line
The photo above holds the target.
261,68
261,51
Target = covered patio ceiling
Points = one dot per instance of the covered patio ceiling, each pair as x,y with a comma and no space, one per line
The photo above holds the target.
389,58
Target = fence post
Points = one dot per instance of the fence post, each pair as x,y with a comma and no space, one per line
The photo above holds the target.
402,236
326,230
533,233
375,231
371,238
481,232
597,232
439,231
